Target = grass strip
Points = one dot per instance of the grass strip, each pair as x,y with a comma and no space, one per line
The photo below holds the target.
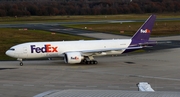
161,28
80,18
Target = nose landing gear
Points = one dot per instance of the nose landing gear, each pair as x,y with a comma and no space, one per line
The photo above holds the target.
21,63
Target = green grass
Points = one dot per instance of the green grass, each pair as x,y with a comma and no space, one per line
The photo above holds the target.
10,37
42,19
161,28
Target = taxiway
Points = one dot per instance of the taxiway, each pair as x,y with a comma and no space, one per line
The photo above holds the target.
160,67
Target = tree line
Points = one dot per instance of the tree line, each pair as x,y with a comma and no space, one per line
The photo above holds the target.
87,7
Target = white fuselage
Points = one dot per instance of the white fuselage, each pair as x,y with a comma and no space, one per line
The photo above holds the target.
58,48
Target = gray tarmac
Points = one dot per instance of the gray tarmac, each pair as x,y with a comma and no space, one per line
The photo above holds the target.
160,68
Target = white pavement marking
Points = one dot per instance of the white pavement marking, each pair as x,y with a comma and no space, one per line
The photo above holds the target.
156,77
91,86
177,87
49,85
113,86
70,86
157,87
134,87
28,85
7,85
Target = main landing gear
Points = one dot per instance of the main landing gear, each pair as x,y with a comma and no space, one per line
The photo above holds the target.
21,63
89,60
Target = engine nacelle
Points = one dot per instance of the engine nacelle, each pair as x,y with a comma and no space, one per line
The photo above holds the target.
73,57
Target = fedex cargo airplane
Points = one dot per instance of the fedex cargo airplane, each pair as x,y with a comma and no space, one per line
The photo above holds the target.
84,51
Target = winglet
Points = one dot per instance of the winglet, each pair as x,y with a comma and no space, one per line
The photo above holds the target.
143,33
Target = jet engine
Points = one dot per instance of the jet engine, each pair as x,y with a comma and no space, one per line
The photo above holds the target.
73,57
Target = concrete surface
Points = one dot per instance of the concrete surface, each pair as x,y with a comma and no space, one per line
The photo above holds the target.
159,68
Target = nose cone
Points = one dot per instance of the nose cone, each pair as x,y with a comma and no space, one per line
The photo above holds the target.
9,53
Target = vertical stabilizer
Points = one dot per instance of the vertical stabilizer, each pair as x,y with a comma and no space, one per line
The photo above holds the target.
143,33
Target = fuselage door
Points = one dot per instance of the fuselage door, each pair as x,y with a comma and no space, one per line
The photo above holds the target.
25,50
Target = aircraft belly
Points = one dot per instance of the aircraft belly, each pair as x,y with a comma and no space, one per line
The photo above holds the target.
51,54
109,53
35,55
20,55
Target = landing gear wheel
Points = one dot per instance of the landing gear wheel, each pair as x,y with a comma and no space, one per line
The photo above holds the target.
95,62
84,61
91,62
21,63
87,62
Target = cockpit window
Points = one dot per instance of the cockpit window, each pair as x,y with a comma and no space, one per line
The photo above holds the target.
12,49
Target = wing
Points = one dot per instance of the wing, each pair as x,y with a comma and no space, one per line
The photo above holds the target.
91,52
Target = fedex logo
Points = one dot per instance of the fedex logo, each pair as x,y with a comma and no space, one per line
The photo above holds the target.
75,58
45,49
145,31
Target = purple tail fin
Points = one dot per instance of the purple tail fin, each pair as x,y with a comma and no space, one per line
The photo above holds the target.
143,33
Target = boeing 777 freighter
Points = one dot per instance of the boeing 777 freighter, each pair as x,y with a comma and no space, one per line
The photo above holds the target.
84,51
